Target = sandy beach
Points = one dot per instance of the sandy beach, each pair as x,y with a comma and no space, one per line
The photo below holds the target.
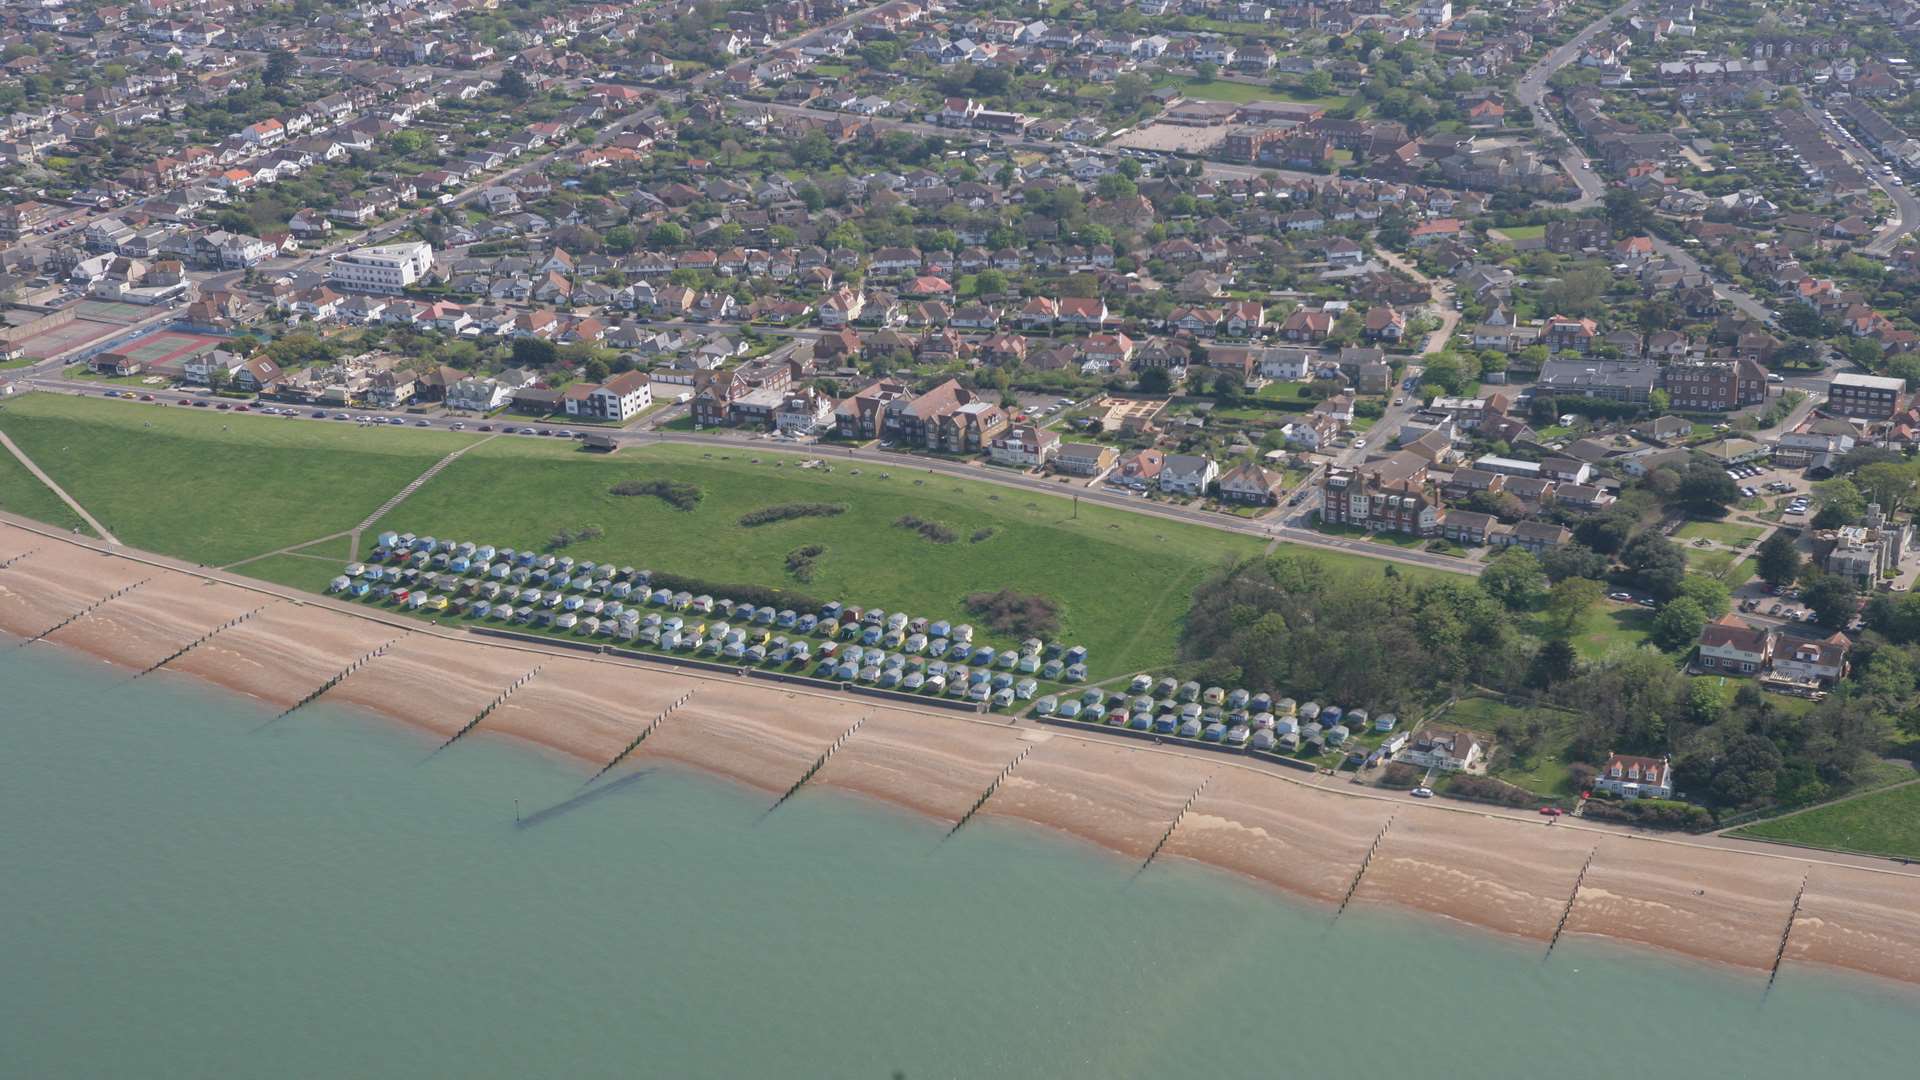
1512,875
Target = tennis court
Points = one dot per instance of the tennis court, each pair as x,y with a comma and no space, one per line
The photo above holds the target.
111,311
166,349
67,336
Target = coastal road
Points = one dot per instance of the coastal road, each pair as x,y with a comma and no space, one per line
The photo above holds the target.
939,466
1531,91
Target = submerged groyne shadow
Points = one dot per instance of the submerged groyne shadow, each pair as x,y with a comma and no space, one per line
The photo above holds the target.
539,817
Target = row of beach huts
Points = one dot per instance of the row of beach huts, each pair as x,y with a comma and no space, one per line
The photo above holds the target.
891,650
1235,718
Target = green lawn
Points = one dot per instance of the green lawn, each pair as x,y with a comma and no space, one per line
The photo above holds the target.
1609,626
216,487
1730,533
1524,232
1122,581
340,548
294,571
1720,564
1228,90
22,493
1538,763
1881,823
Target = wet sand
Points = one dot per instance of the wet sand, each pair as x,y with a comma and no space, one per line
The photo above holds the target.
1712,904
1483,870
1506,874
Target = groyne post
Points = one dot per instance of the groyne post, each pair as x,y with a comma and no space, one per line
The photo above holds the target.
83,612
652,726
1567,912
991,788
1365,862
498,701
1793,914
1175,824
338,678
204,638
831,749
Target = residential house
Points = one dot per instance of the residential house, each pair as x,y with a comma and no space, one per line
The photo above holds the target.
1729,646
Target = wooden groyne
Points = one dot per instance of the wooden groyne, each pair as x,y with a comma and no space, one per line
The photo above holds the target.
832,748
338,678
84,612
491,705
1175,824
652,726
1793,914
4,563
991,788
1365,862
204,638
1572,895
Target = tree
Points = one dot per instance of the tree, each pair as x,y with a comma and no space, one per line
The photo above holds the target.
1573,561
533,353
1205,71
1568,602
1747,772
1676,626
1711,594
1888,483
1840,504
1778,560
813,151
280,68
1833,599
1706,490
515,85
989,283
1155,381
1130,90
1226,386
666,235
1657,563
1514,578
1556,662
1627,213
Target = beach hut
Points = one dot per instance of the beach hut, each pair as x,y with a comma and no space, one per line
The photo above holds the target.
387,539
1029,663
938,646
801,651
1286,706
913,682
1051,670
1264,739
916,644
806,624
1007,659
889,678
1309,712
1165,724
1190,711
359,590
897,621
874,617
963,632
1075,673
869,674
1337,734
939,628
1260,702
936,684
1025,688
480,609
1213,695
1140,721
1003,698
588,626
416,600
1213,732
1357,720
786,618
1385,722
1069,709
1289,742
1140,684
1052,649
565,563
572,603
764,616
831,612
1166,687
1237,698
1046,705
1263,721
339,584
701,605
1237,734
1190,729
1001,680
894,639
681,601
870,635
566,621
1095,713
1075,655
732,650
982,655
1189,692
1330,715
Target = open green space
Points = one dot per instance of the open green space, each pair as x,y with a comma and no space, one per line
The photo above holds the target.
294,571
1523,232
22,493
1730,533
1724,565
1879,823
1531,741
216,487
1121,581
1609,626
1229,90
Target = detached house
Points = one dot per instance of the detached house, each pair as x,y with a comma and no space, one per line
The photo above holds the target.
1636,777
1731,647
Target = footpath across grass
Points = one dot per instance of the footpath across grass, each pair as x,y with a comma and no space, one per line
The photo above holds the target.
1880,823
22,493
216,487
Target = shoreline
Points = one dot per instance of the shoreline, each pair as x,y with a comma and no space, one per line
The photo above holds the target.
1721,904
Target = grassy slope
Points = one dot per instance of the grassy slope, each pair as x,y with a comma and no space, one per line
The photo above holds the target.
1732,533
219,487
216,487
1881,823
1122,581
22,493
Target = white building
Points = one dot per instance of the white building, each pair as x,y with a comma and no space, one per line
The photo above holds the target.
1634,777
389,268
619,399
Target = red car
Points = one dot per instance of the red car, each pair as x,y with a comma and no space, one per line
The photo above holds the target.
1551,811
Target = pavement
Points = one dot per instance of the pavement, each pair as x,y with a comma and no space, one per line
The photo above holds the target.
1531,91
1906,208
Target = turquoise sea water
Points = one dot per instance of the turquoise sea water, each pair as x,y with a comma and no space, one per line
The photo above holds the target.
184,896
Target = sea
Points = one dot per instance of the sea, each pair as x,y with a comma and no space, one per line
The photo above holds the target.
190,887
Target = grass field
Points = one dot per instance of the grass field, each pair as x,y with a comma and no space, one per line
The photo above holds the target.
22,493
1611,626
1720,564
1730,533
1879,823
1228,90
216,487
1122,582
1524,232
